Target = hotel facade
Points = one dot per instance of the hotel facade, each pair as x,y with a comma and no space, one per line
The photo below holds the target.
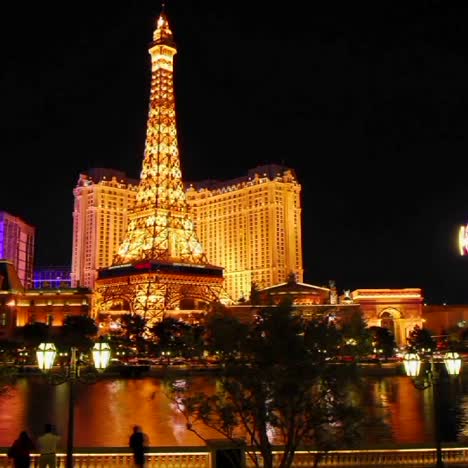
101,201
250,225
17,239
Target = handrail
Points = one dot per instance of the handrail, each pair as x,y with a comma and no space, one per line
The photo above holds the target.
201,457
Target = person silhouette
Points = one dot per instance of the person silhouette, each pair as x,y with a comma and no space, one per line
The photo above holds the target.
138,442
47,443
20,451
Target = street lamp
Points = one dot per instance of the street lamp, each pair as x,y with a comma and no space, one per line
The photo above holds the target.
431,378
168,356
46,353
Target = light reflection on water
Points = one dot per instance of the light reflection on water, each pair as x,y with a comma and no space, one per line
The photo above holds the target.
107,410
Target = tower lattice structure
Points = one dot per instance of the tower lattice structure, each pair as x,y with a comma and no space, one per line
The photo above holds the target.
160,264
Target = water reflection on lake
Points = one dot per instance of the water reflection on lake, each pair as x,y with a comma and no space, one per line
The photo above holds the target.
107,410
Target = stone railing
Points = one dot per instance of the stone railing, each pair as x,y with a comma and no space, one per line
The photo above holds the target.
411,458
176,457
201,457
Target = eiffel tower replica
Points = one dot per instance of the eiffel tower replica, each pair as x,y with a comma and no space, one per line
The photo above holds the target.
160,266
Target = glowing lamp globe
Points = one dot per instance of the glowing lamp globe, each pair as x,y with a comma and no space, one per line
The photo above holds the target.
452,362
412,363
45,354
101,355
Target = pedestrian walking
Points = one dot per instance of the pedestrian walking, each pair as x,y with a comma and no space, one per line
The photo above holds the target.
20,450
138,442
47,444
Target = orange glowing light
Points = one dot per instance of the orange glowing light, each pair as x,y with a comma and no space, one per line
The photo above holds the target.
463,240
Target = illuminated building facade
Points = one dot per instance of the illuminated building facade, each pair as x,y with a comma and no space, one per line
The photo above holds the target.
160,265
52,277
398,310
102,198
441,319
300,294
20,306
51,306
17,245
251,226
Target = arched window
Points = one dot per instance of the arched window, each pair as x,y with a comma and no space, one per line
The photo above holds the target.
386,321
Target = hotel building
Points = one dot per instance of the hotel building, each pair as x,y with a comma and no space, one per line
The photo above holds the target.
20,306
251,225
102,198
52,277
17,246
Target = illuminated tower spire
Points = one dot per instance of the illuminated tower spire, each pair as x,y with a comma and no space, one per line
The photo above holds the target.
160,266
159,226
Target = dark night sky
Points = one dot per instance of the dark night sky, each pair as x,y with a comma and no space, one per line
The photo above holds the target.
367,101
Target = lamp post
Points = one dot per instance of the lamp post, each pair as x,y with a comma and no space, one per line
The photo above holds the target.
46,353
168,356
431,378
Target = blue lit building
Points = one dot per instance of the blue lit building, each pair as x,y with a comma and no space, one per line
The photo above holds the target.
52,277
17,246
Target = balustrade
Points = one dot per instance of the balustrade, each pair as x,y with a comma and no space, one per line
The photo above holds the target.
390,458
114,459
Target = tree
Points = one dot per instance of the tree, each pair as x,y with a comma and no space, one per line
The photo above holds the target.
275,388
255,296
134,327
33,334
192,340
357,339
178,337
8,371
324,337
420,339
454,339
224,333
8,352
78,331
383,341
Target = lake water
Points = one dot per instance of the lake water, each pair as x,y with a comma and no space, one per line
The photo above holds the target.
106,411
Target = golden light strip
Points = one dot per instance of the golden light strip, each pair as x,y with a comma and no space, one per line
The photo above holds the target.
463,240
384,296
